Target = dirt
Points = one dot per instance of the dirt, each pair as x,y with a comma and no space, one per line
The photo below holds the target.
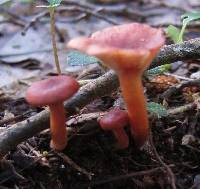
91,159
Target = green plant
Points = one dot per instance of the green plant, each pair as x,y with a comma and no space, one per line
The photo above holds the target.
52,6
158,70
77,58
157,109
175,33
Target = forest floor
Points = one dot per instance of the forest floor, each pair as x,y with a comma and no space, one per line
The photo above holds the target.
169,160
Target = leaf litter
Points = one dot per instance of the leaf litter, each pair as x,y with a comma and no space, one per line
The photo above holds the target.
25,59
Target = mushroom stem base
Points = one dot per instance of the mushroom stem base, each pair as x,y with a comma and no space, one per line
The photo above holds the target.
57,127
122,138
132,91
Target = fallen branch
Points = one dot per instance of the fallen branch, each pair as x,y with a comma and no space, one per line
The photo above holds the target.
188,50
102,86
177,88
182,109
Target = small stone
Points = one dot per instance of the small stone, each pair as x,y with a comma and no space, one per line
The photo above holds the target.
195,75
187,139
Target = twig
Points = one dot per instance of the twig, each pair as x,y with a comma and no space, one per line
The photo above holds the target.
34,20
74,165
86,10
85,117
181,109
73,19
171,6
26,53
188,50
11,169
97,88
129,175
23,169
175,89
121,9
13,15
9,120
178,77
90,12
192,148
12,21
170,173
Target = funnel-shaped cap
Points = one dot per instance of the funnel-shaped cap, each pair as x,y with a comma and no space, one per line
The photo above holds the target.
122,48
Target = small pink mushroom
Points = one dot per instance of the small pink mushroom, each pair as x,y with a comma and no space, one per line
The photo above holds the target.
128,49
53,92
116,120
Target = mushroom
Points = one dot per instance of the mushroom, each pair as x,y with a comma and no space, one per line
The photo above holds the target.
115,120
53,92
128,49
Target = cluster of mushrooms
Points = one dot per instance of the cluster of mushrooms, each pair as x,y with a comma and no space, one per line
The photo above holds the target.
127,49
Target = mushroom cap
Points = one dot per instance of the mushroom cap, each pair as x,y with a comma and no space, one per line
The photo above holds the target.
123,47
114,119
51,91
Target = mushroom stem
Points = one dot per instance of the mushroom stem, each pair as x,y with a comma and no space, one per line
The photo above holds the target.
122,138
57,126
132,91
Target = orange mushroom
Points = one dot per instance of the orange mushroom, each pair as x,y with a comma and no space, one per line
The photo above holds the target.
128,49
53,92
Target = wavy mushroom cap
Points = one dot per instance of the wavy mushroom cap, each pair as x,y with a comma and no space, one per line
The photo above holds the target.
128,46
50,91
114,119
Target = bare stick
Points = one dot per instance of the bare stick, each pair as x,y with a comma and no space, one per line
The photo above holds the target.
182,109
177,88
167,167
188,50
74,165
129,175
34,20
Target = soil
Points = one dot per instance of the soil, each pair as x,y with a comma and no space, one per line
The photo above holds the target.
91,158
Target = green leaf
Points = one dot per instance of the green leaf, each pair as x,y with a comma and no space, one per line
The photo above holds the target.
157,109
177,35
54,3
77,58
159,69
173,32
188,17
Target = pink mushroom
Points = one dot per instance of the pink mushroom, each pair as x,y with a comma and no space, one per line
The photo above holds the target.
128,49
115,120
53,92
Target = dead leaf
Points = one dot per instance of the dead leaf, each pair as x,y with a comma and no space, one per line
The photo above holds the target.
20,48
